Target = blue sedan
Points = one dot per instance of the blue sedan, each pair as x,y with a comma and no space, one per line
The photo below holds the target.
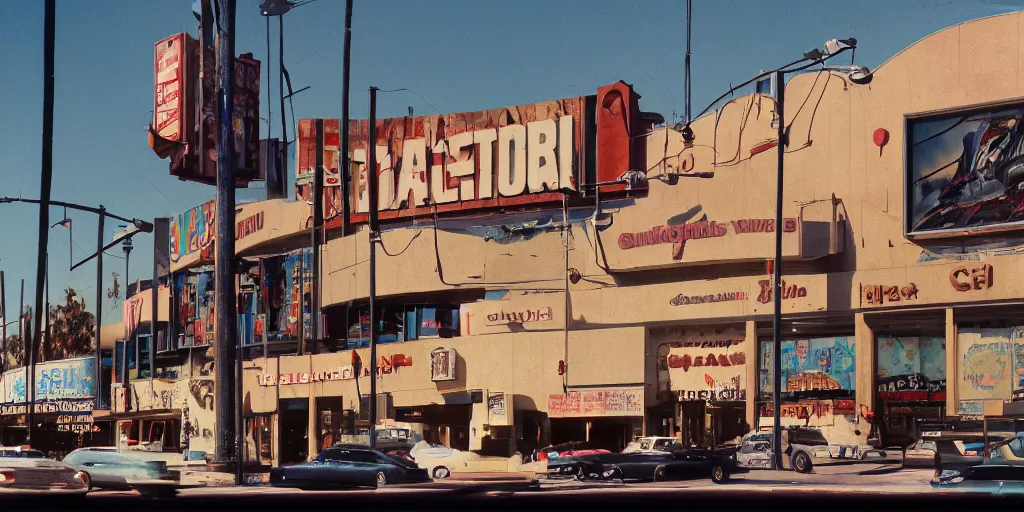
348,466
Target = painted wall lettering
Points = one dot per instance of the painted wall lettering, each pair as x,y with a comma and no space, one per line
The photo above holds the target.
542,314
683,300
788,291
971,278
879,294
248,226
677,235
596,403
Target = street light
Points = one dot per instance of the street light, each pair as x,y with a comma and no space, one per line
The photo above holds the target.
102,213
857,75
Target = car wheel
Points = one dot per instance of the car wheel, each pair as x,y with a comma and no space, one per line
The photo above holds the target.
87,481
612,474
581,474
441,473
719,475
659,473
382,479
802,462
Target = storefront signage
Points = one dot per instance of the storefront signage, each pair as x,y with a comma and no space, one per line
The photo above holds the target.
499,409
971,410
712,395
788,291
678,234
248,226
52,406
597,403
542,314
966,279
75,422
685,300
817,409
387,365
193,230
442,364
879,294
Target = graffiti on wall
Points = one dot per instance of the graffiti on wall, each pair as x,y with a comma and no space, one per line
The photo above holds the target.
196,313
811,365
67,379
703,364
597,403
985,364
964,169
193,230
911,368
288,295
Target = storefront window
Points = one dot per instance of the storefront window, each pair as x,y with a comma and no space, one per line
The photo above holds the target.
259,440
405,322
194,294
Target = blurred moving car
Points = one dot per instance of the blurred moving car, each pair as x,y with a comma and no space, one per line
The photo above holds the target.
29,475
656,466
20,451
108,469
956,452
348,466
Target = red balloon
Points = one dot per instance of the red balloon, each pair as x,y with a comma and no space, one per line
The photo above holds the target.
881,137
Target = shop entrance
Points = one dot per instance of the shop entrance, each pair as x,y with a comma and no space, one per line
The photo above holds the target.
612,434
445,425
294,431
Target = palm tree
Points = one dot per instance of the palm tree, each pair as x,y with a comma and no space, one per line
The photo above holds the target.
15,351
71,328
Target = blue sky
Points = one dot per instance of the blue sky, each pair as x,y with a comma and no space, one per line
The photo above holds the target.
458,55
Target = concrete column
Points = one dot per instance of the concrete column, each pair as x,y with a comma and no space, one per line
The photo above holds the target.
754,351
952,366
865,364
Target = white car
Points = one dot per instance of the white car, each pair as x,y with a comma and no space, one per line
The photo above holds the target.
653,444
440,462
23,475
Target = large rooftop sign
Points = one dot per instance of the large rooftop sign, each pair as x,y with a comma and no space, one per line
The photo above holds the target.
507,157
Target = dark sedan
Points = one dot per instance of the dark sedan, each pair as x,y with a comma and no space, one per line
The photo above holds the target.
678,465
348,466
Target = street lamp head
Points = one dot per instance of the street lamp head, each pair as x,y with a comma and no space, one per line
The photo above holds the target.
275,7
860,75
835,46
814,54
141,225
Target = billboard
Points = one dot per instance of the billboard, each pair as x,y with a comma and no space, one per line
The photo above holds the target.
184,125
459,162
67,379
964,170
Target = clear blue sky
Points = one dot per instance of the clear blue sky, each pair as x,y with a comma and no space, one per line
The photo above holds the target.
457,55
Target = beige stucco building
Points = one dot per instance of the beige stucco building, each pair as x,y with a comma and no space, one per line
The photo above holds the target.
646,309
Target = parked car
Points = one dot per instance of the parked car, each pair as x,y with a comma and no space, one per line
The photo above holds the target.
108,469
677,465
29,474
956,452
920,455
806,447
987,479
653,444
441,462
348,466
755,452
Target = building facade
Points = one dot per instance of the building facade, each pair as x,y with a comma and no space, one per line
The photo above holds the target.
572,271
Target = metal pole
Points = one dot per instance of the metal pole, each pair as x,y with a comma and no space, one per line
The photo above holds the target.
226,319
21,323
371,175
780,98
239,420
284,117
343,159
3,329
48,345
689,7
98,401
49,36
318,222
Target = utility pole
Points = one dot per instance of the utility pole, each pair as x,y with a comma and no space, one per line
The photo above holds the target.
98,401
224,283
49,37
318,223
371,175
343,159
48,346
686,85
3,319
780,98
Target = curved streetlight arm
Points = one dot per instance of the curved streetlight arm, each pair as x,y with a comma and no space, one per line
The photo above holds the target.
142,225
814,56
